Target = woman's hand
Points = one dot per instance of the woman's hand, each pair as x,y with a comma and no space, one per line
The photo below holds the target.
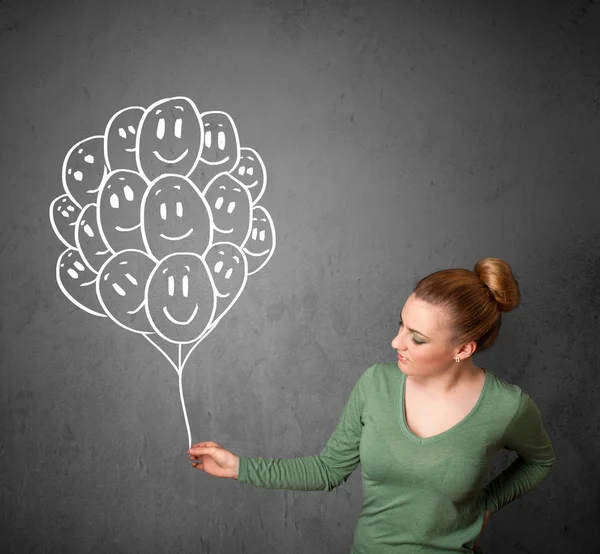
212,458
486,517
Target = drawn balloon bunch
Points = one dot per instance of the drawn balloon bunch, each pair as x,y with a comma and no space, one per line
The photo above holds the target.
161,223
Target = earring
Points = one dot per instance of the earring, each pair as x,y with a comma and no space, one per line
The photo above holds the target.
457,359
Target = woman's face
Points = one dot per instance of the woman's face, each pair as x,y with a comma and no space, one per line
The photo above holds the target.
423,339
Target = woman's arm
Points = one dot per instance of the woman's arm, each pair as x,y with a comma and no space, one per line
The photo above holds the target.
525,435
325,471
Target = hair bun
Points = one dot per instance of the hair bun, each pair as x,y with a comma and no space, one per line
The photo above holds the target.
497,276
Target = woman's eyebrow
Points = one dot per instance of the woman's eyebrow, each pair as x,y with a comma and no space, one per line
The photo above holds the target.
414,330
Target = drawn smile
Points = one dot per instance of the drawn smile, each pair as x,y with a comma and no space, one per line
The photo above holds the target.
222,295
177,322
253,254
221,230
177,238
130,149
127,229
176,160
216,163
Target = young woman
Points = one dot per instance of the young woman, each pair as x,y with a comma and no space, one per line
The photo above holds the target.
424,429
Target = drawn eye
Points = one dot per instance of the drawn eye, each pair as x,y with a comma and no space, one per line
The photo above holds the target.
221,140
184,284
122,132
208,139
230,207
160,128
178,124
163,211
171,285
179,208
118,289
128,193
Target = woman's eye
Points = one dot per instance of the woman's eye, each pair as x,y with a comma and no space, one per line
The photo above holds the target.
418,343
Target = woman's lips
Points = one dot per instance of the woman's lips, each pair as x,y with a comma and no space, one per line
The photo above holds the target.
402,358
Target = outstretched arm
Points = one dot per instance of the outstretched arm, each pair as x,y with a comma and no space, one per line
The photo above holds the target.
325,471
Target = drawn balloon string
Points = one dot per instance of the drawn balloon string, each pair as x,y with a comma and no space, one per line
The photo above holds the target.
161,223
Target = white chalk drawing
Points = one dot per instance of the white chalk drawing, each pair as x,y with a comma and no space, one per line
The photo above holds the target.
161,223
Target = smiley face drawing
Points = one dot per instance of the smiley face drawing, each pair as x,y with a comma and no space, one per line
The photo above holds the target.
121,289
221,147
119,205
88,239
78,282
230,204
261,244
252,173
63,217
83,170
169,139
229,267
120,139
180,297
175,218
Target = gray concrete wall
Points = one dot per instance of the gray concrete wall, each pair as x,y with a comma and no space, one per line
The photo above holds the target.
400,138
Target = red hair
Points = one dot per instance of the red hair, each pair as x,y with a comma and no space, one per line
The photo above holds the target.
473,300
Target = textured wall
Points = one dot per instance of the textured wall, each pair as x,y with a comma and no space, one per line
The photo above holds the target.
400,138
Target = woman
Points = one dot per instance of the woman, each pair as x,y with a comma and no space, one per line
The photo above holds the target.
424,429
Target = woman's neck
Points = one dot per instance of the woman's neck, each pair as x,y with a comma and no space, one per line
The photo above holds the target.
452,379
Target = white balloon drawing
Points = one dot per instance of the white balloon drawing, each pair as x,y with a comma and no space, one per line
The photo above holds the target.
161,224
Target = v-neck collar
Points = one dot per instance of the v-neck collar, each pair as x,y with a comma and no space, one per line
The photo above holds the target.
404,424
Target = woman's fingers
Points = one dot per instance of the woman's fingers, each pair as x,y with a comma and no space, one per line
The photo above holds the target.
205,443
203,448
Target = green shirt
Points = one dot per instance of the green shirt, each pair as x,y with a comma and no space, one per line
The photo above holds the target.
427,495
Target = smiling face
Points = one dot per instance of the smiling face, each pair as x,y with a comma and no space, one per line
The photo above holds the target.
175,218
121,286
63,216
119,207
89,240
228,266
230,204
251,172
120,141
78,282
181,301
169,138
261,241
221,140
83,170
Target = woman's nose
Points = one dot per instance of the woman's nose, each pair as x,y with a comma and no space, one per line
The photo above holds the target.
397,342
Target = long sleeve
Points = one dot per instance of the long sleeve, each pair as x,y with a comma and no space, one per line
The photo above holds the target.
325,471
526,435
